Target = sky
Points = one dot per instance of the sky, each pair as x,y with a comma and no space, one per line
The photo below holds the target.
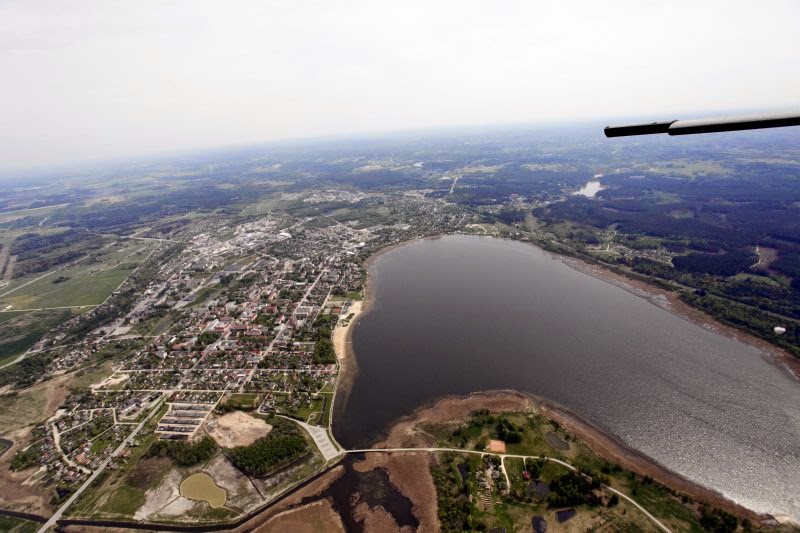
91,80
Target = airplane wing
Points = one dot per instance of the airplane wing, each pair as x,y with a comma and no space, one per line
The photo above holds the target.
706,125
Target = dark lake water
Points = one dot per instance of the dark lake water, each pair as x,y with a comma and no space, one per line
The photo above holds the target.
461,314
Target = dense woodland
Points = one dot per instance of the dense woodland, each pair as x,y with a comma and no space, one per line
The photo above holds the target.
283,445
182,452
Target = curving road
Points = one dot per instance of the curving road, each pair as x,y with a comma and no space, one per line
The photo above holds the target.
503,456
57,516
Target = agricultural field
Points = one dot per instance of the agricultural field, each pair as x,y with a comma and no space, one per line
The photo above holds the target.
85,283
20,332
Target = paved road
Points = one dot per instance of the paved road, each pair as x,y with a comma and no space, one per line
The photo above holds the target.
507,455
57,516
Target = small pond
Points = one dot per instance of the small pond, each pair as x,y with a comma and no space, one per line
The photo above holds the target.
202,487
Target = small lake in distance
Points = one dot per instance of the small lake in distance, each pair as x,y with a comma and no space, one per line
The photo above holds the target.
460,314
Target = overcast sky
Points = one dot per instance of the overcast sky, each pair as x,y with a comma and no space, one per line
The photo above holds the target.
91,79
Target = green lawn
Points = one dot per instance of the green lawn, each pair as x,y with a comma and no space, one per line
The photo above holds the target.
305,412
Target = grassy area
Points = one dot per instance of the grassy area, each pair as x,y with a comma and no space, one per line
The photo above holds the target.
7,216
10,315
89,282
262,207
304,412
243,400
91,375
22,409
326,414
17,525
82,285
155,325
20,333
205,293
125,500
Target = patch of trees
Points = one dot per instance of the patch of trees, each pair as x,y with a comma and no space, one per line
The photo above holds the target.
511,216
727,264
182,452
453,505
34,242
572,488
508,431
789,264
758,322
27,371
717,520
25,459
207,337
283,445
324,325
324,353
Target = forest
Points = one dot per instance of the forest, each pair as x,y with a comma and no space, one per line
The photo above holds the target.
283,445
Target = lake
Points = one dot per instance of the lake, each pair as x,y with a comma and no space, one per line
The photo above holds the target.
460,314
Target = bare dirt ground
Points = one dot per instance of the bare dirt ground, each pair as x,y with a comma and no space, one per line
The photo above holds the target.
262,522
410,474
16,425
236,429
242,495
111,381
159,498
317,517
17,495
378,520
408,433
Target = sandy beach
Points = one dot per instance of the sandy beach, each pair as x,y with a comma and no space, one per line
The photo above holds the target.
342,344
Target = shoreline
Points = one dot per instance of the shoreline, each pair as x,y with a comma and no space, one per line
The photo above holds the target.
455,409
670,302
342,336
599,440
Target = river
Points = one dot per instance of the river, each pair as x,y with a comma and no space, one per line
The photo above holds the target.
460,314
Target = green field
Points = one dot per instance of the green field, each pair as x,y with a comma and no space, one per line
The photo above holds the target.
17,525
86,285
88,282
125,500
20,333
10,315
21,409
41,212
243,400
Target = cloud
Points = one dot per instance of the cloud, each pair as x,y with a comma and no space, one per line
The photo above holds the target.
95,79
